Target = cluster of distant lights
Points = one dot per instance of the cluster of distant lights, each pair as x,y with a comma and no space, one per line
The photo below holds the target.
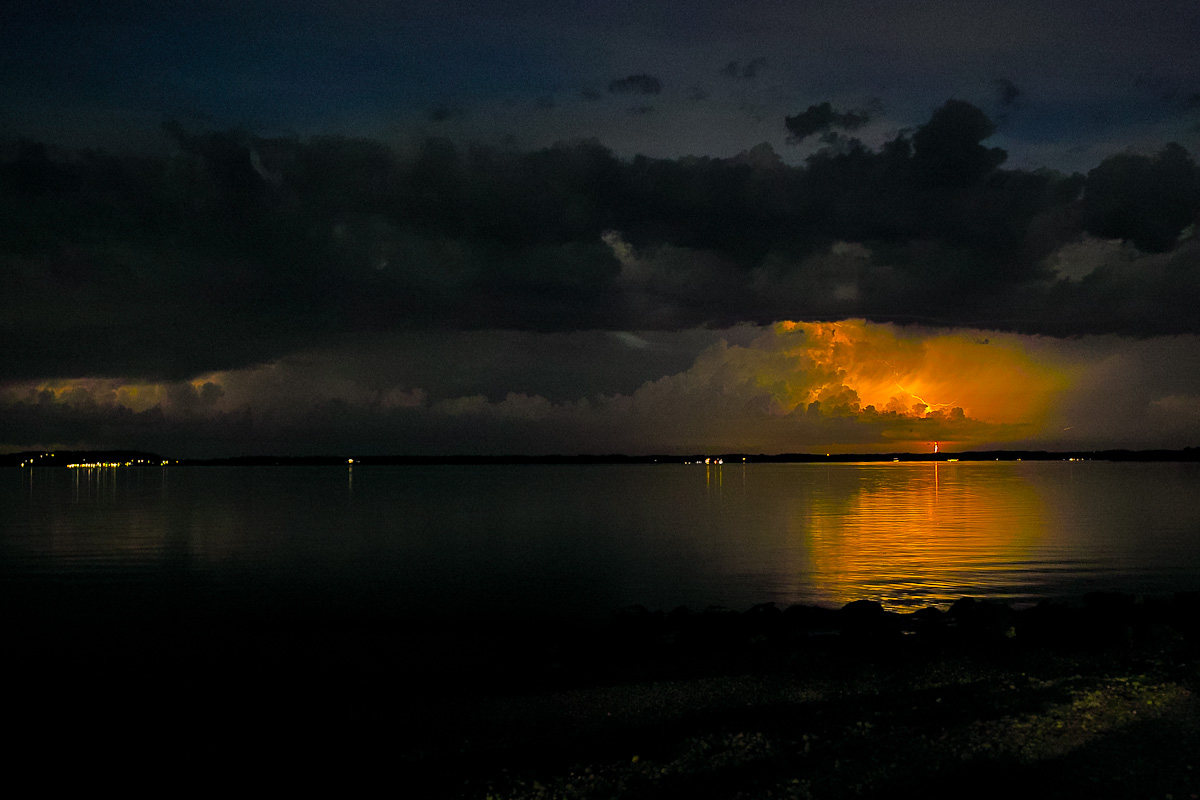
709,461
33,461
140,462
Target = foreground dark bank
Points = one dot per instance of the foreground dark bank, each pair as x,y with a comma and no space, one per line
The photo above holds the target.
1096,699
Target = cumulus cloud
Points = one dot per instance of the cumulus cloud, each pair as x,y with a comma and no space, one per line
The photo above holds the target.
1146,200
948,149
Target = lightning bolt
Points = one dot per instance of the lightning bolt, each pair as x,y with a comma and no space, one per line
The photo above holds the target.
928,406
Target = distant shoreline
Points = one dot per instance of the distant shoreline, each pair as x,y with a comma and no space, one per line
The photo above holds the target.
67,458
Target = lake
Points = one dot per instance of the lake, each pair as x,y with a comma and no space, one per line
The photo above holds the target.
582,540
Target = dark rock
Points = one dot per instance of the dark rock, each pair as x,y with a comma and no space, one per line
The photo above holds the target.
983,620
764,610
962,607
810,619
929,615
867,618
926,621
863,609
995,619
763,620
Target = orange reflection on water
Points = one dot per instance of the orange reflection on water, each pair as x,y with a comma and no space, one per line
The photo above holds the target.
922,534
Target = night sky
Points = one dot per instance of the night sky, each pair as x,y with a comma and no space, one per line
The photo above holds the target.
415,227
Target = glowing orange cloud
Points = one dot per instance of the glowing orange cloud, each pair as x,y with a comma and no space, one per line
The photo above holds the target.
915,372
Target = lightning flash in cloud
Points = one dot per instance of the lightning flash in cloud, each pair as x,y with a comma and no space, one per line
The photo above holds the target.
910,371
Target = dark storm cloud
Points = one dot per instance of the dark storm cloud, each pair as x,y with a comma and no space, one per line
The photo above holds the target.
947,150
821,118
1146,200
237,249
636,84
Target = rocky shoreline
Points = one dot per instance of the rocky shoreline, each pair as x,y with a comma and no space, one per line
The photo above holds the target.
1093,699
1089,700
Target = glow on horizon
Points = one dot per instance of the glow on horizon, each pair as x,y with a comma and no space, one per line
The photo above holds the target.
954,375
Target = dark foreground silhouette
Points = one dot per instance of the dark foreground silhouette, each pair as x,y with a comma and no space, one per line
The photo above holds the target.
1089,700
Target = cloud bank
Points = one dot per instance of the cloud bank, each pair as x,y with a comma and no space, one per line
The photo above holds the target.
286,294
849,386
238,249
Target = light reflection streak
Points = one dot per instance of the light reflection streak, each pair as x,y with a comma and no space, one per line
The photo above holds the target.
711,472
903,539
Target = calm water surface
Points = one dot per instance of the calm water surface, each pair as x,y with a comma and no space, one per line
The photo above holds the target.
584,540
